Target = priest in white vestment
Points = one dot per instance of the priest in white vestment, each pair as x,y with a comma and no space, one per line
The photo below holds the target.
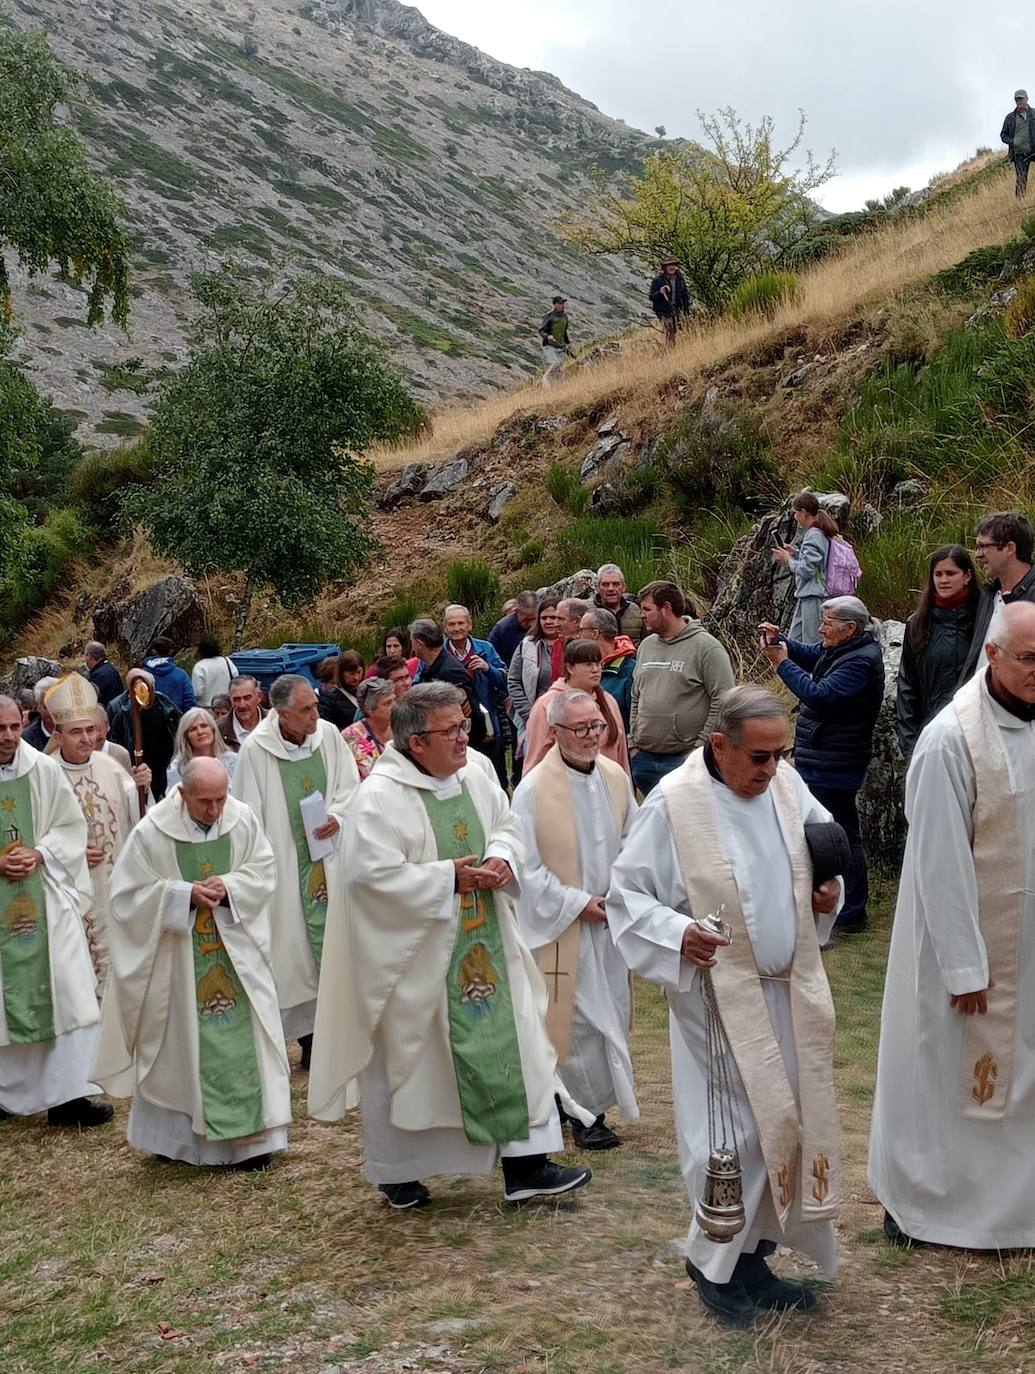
575,808
290,761
428,996
952,1146
107,794
48,992
191,1021
724,834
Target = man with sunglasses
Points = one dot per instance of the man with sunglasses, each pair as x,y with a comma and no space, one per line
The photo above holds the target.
1004,545
952,1150
575,807
724,836
429,998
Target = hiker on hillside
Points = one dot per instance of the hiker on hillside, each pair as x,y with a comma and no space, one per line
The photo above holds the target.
555,332
1020,142
670,299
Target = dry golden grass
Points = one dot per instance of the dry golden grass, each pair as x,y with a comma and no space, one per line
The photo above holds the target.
876,267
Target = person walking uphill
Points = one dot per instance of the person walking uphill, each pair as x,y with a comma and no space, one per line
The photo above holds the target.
555,332
840,684
670,299
1016,133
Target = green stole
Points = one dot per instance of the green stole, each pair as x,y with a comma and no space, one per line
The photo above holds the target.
482,1031
231,1088
300,778
24,942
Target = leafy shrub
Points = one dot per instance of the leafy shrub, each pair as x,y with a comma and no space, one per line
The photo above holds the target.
40,556
979,268
100,478
563,485
763,295
530,552
717,458
1019,315
473,584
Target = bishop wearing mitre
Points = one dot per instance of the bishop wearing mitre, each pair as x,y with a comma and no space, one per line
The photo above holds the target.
108,797
191,1025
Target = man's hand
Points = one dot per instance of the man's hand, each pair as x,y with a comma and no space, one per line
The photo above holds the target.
478,664
330,827
824,897
141,775
666,291
593,912
972,1003
208,893
494,874
467,873
19,863
94,855
699,945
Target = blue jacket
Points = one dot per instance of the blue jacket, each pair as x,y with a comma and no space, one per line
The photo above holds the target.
841,691
489,687
505,636
172,682
617,681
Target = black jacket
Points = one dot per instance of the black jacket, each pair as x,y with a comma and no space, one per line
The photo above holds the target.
335,707
1009,124
927,679
448,668
158,728
107,680
841,691
35,735
1023,591
677,302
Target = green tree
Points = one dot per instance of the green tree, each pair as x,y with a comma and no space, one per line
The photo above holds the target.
53,210
257,442
727,211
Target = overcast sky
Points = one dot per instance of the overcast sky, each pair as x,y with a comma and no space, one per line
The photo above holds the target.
901,88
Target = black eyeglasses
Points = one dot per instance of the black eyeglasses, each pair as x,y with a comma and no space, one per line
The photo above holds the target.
982,544
451,732
760,757
587,728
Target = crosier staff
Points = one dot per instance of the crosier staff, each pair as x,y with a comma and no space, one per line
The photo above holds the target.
141,698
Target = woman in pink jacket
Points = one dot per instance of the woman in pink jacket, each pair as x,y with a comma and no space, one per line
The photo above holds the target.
583,664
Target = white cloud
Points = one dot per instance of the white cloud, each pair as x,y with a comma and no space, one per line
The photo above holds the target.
901,90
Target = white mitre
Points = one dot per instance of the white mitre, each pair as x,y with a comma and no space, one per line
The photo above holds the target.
71,700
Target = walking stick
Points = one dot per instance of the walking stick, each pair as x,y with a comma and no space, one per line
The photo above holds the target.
141,698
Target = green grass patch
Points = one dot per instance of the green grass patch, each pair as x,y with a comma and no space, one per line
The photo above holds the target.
981,1303
118,422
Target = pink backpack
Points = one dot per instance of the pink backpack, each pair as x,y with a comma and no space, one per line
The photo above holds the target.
843,570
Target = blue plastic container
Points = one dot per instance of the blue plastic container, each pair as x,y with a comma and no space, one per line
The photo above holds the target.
267,664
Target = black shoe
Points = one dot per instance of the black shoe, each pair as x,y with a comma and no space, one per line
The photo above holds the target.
729,1301
894,1233
255,1164
80,1112
595,1137
541,1179
851,927
164,1159
305,1044
402,1196
5,1116
767,1291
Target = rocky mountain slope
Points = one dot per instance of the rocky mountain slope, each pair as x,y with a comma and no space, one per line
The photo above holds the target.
350,136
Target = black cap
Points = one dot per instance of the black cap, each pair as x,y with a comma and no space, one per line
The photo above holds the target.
560,300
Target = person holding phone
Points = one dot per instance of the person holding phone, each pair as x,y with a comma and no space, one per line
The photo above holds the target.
808,564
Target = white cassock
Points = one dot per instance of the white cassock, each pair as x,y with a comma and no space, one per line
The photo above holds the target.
946,1176
109,801
383,1018
598,1071
38,1075
647,912
258,781
151,1043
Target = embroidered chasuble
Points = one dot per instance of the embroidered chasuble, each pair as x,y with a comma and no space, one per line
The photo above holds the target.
302,778
24,941
799,1145
231,1087
482,1030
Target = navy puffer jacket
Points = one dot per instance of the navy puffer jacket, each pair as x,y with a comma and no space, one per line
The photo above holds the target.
840,691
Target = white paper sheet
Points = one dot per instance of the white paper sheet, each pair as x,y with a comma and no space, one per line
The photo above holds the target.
314,814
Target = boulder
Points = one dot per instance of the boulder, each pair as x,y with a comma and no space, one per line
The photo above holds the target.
26,672
799,375
868,521
444,478
599,454
170,609
406,487
582,584
907,494
498,501
881,798
837,505
607,426
1003,297
752,586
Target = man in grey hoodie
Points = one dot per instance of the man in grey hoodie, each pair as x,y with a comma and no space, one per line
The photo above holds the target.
681,672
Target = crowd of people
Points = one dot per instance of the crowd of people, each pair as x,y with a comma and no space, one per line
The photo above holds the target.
437,873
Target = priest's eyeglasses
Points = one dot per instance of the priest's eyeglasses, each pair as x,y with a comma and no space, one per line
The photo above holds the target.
1028,660
587,729
451,732
760,757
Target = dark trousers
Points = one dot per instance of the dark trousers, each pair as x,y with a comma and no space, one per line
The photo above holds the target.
841,803
648,769
494,751
1021,163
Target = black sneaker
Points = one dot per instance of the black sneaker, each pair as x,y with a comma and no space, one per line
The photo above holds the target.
402,1196
595,1137
5,1116
851,927
81,1113
769,1292
305,1044
543,1179
894,1233
730,1301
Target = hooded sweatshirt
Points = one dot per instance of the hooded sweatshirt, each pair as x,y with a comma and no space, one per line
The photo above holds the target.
676,690
171,681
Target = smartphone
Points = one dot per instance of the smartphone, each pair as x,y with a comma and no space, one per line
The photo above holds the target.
776,540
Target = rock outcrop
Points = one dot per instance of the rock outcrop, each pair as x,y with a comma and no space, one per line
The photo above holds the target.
881,798
26,672
169,609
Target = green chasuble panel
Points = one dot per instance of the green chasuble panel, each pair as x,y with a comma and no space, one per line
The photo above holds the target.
24,938
482,1032
300,779
231,1088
